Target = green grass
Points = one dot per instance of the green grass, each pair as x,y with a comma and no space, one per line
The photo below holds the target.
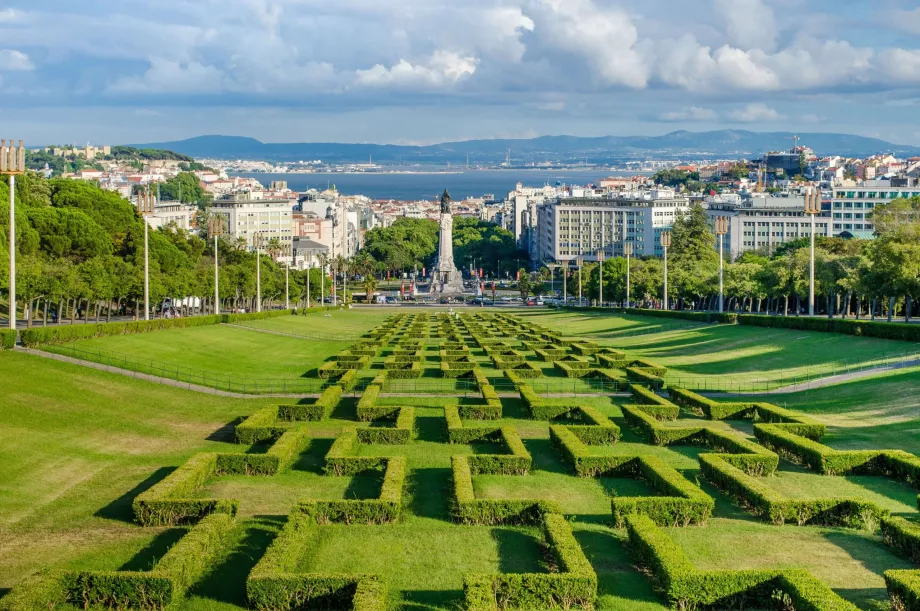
78,445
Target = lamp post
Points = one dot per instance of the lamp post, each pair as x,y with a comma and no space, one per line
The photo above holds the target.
12,163
309,267
565,282
721,223
812,208
628,251
665,243
215,229
600,269
258,240
579,261
145,209
287,286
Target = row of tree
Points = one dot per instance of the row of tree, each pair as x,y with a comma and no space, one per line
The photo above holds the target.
852,277
80,255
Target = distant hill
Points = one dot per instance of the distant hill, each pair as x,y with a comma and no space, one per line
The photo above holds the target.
728,143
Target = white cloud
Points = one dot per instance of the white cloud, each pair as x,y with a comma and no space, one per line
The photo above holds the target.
442,68
604,38
10,59
166,76
909,21
749,24
755,113
689,114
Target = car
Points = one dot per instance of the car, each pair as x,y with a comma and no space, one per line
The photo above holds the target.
392,299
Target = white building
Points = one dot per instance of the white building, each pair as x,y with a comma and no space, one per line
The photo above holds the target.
852,206
572,227
764,221
245,218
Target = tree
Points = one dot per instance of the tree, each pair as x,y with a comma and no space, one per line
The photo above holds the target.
693,261
524,283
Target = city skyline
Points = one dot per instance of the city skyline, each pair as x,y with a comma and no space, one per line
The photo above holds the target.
414,72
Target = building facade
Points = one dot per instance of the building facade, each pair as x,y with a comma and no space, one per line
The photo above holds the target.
246,218
852,206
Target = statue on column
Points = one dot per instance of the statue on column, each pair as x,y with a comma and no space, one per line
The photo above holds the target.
445,202
446,278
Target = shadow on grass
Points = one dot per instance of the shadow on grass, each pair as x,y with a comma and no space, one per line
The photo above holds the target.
545,457
313,459
120,508
431,494
875,557
432,600
226,433
519,551
431,428
156,549
616,575
226,583
365,485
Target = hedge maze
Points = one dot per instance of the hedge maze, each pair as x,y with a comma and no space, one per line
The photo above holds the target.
407,487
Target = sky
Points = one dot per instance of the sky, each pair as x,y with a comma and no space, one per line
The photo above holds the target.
425,71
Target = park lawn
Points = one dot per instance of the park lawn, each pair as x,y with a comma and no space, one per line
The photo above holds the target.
600,327
342,325
218,354
880,412
77,445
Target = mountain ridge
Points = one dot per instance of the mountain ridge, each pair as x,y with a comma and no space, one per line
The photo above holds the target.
680,144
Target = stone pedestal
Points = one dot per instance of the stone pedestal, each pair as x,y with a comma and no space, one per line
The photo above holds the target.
446,279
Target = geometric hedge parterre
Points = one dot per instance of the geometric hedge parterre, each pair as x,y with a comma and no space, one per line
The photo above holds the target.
584,440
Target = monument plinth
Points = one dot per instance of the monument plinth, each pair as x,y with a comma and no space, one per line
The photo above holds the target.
446,279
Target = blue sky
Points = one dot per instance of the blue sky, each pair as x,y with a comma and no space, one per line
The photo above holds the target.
420,71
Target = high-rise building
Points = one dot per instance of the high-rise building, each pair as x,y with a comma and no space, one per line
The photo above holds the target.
245,218
852,206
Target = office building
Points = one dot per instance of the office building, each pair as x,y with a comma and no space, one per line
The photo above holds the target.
245,218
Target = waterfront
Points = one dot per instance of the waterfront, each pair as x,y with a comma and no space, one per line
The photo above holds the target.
429,185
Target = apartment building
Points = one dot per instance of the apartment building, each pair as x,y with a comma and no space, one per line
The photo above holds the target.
852,206
245,218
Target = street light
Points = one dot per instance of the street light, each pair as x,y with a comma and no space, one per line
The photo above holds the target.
579,261
12,163
565,282
628,251
215,229
600,269
145,209
812,207
258,240
665,243
721,223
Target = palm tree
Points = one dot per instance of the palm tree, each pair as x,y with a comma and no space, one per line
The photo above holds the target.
370,285
274,248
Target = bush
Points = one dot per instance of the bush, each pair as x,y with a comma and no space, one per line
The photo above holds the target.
864,328
904,589
713,410
468,509
171,501
37,336
382,510
545,409
7,339
523,370
903,536
274,583
573,587
551,354
262,425
573,369
515,461
641,376
398,434
688,588
457,369
405,373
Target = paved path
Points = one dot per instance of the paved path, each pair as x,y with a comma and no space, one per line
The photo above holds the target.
826,381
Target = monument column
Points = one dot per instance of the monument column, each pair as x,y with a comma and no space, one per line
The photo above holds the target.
446,278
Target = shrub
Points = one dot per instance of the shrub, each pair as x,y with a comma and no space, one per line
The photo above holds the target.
521,371
645,396
903,536
615,360
713,410
550,354
468,509
398,434
641,376
573,369
171,501
515,460
457,369
688,588
382,510
262,425
405,373
164,585
904,589
864,328
585,348
7,339
573,586
274,583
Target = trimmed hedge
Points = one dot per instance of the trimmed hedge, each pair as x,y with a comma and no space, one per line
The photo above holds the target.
458,369
405,373
279,457
271,422
641,376
574,586
7,339
573,369
682,502
523,370
381,510
467,509
688,588
776,508
766,412
38,336
545,409
550,354
903,536
398,434
171,501
645,396
904,589
164,585
863,328
275,583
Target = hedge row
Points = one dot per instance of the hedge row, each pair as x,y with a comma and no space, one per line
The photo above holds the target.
336,369
688,588
545,409
275,583
574,586
38,336
279,456
523,370
515,460
408,373
645,396
550,354
505,361
164,585
904,589
171,501
903,536
467,509
593,428
585,348
641,376
340,459
457,369
271,422
381,510
778,509
398,434
896,464
7,339
738,451
765,412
